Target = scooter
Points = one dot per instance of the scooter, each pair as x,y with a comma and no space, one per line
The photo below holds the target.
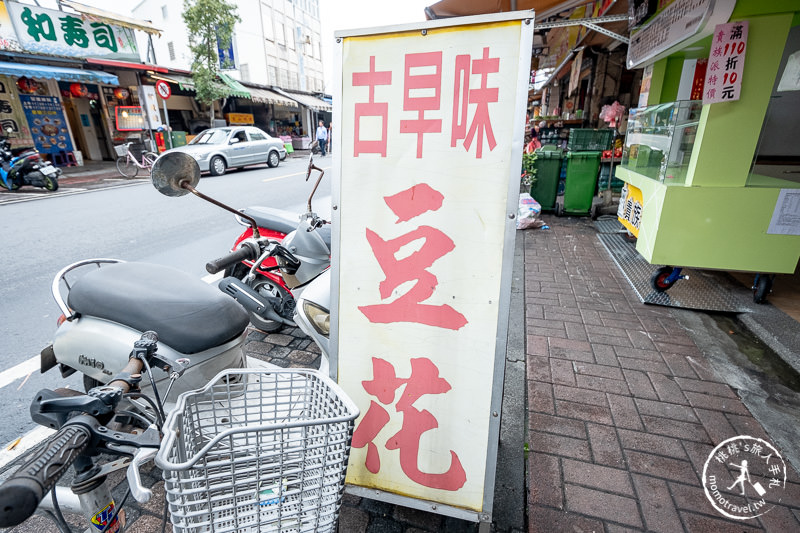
24,166
301,259
265,277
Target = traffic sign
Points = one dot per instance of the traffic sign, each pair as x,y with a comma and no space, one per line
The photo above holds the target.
163,89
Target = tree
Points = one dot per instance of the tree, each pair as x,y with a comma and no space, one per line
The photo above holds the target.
208,22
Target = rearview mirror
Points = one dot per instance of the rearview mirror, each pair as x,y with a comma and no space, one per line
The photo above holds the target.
234,140
172,169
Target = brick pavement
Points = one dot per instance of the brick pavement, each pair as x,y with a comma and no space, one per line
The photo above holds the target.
623,408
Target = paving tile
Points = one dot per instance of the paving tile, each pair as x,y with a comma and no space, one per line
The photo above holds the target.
589,413
679,365
698,453
747,425
716,425
704,524
602,505
661,467
640,339
624,412
638,353
352,520
650,443
562,426
703,369
547,332
604,445
562,372
610,372
591,317
690,497
534,310
571,349
576,331
538,368
682,349
605,355
545,482
559,445
543,324
667,389
536,345
563,315
716,403
645,365
780,519
574,394
705,387
675,428
666,410
599,477
608,339
639,384
546,520
656,503
605,330
613,386
540,397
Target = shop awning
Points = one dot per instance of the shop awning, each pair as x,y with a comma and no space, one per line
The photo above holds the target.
463,8
98,15
265,96
236,88
184,82
306,100
125,64
57,73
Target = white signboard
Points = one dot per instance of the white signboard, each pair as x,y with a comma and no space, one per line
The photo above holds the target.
680,23
147,96
429,124
52,32
726,63
786,217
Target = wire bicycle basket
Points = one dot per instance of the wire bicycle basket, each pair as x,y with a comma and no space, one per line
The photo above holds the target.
258,450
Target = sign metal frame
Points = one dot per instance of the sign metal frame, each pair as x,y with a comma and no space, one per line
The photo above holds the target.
526,19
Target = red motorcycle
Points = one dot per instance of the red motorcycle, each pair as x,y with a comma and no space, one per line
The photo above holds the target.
266,277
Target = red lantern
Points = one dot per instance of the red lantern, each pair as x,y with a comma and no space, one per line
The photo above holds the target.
26,85
121,93
78,90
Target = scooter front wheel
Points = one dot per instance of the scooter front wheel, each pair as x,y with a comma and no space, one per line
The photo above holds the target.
268,287
50,184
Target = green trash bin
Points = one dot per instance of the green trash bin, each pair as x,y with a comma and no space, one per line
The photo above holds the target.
581,183
548,168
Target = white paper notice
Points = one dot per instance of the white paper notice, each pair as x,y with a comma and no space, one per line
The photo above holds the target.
786,217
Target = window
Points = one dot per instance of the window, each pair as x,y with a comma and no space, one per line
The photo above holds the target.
273,75
171,50
241,135
257,136
164,12
244,69
266,22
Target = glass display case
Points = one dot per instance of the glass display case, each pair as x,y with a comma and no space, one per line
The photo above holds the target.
660,138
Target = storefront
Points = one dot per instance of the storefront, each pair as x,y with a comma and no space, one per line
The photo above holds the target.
695,167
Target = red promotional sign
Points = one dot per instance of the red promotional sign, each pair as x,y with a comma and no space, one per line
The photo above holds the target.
726,63
163,89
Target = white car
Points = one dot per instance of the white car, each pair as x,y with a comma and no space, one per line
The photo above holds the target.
218,149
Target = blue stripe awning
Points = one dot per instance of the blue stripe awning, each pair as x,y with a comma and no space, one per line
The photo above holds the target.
57,73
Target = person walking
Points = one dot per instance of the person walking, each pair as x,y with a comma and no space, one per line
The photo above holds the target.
322,137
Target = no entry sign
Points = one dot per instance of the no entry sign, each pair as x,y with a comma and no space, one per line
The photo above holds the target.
163,89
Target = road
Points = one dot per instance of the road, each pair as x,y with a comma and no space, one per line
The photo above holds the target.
129,220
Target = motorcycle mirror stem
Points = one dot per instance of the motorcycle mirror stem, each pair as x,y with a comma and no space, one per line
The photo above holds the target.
176,174
312,166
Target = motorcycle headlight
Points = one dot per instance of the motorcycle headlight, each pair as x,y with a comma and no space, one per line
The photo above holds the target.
320,318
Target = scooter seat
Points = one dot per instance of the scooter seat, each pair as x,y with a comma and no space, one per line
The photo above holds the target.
188,315
283,221
15,152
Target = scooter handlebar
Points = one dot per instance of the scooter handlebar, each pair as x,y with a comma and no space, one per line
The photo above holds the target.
22,493
246,251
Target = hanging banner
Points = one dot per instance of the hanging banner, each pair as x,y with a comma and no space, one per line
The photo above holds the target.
52,32
13,123
726,63
48,125
147,97
430,124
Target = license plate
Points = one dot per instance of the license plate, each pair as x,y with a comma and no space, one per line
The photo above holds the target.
48,170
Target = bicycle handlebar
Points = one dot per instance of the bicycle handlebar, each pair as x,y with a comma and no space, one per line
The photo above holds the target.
22,493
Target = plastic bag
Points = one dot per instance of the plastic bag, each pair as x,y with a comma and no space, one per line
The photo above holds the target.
527,212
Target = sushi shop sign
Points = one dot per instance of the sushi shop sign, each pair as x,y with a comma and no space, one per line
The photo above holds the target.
426,189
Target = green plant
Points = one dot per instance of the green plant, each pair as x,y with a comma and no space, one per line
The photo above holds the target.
529,169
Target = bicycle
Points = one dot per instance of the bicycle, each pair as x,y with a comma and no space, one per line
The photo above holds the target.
128,165
254,450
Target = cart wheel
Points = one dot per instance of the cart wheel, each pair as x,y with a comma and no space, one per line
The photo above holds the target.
761,288
593,212
659,279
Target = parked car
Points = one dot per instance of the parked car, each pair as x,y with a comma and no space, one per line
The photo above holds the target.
218,149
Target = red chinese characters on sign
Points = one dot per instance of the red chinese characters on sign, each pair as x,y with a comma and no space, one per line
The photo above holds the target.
723,81
422,93
424,380
409,307
371,109
420,104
